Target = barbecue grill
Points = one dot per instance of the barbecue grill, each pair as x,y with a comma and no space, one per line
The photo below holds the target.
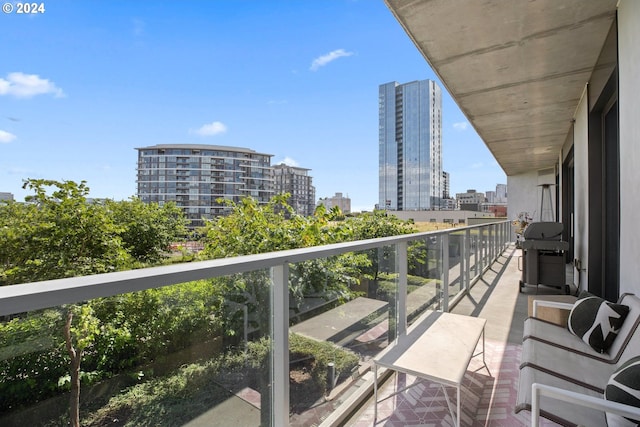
543,256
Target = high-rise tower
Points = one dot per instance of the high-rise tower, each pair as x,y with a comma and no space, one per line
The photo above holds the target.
410,145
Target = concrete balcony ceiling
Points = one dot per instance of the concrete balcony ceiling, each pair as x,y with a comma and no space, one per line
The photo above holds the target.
516,68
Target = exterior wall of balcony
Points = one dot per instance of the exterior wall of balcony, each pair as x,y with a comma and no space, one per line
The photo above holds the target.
581,191
522,195
629,102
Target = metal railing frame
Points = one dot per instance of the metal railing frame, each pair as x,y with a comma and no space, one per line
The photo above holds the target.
490,242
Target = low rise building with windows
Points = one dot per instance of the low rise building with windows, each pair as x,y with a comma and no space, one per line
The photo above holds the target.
344,203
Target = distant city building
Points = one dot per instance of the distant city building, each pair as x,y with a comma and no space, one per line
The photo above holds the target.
498,209
496,201
196,176
501,193
448,204
298,183
456,217
6,196
410,145
344,203
445,185
470,201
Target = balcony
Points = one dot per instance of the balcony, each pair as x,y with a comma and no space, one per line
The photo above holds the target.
259,339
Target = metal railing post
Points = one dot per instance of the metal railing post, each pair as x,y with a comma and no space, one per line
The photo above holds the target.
481,250
492,242
280,346
495,242
467,259
445,271
401,299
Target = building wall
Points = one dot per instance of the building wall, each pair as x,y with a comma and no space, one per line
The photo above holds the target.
471,200
523,191
344,203
501,193
388,147
629,104
581,190
410,145
446,185
196,176
298,183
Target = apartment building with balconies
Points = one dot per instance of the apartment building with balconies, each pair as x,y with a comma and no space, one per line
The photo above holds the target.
198,178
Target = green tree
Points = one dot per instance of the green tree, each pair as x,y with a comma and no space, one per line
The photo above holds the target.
77,339
372,225
147,229
251,228
58,235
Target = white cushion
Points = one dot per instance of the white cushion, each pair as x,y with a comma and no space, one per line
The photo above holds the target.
574,414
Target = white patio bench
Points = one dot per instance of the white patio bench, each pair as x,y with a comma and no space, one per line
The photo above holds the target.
563,379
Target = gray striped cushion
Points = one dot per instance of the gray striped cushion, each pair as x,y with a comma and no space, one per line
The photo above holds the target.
624,387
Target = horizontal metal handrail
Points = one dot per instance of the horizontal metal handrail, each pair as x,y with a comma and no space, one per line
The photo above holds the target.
38,295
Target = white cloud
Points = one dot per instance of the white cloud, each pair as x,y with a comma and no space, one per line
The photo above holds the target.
211,129
288,161
23,85
323,60
461,125
477,165
6,137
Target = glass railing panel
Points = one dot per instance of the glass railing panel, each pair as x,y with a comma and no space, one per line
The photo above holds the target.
424,280
474,253
342,314
456,272
184,353
187,352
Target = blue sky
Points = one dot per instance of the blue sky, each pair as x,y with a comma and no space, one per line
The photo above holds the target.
86,82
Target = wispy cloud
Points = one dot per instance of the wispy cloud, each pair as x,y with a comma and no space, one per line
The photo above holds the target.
323,60
211,129
461,125
22,85
277,102
289,161
6,137
477,165
21,171
138,27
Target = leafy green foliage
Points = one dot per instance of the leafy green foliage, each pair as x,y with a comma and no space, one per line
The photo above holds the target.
60,233
57,235
147,230
32,358
251,228
194,388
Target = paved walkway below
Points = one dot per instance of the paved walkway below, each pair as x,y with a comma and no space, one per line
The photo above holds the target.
342,323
